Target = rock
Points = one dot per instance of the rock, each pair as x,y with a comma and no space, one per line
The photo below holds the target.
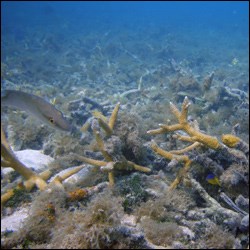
242,202
14,221
188,234
244,224
129,220
33,159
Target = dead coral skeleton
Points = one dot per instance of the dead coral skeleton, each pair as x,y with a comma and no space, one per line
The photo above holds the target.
139,90
109,165
215,210
197,138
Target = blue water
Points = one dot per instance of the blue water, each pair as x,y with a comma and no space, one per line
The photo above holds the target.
226,18
216,15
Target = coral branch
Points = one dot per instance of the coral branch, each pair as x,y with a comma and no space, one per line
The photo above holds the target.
192,131
89,160
5,197
60,178
100,144
186,149
139,168
10,160
105,126
108,127
113,116
197,138
179,158
109,165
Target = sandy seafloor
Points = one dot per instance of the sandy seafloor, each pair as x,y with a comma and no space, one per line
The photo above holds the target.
87,71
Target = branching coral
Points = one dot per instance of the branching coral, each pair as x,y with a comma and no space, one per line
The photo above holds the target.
31,178
196,137
109,165
10,160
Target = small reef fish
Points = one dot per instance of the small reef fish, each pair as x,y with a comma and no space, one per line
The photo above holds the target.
36,106
212,179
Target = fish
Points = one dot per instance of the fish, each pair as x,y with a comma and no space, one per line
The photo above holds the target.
212,179
36,106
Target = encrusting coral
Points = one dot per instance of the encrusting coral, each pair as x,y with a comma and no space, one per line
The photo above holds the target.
196,137
109,165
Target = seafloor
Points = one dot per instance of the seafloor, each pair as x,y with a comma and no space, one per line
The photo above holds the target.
118,204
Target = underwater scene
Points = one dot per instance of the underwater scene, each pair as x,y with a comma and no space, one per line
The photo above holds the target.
124,125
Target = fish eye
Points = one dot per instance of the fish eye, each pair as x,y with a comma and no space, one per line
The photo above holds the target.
51,119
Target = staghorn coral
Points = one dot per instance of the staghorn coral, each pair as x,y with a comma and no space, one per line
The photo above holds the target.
31,178
197,138
111,162
9,160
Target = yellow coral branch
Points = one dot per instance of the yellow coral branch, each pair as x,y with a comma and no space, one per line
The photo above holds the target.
11,160
100,144
168,155
111,177
230,140
183,138
186,149
193,132
160,151
113,116
5,197
109,165
139,167
182,173
180,158
108,127
98,114
90,161
195,136
60,178
170,128
105,127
